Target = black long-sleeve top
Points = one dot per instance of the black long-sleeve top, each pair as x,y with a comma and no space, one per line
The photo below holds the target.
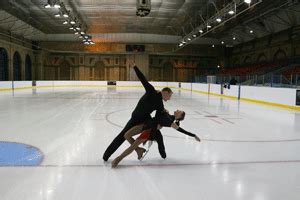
164,120
150,101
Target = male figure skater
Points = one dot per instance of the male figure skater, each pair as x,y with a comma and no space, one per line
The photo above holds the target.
150,101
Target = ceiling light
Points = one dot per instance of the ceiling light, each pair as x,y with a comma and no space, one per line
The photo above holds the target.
251,31
213,46
194,35
234,38
52,4
65,22
66,15
219,19
231,12
208,26
180,44
189,39
247,1
56,5
72,22
57,15
200,31
82,32
222,42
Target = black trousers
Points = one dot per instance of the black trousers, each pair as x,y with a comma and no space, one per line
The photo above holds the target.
160,143
118,141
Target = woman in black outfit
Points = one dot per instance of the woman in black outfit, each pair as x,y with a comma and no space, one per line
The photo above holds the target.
148,130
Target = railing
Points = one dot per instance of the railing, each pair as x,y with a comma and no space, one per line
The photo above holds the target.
269,80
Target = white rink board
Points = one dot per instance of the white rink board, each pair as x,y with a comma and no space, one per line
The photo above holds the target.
5,84
215,88
233,91
284,96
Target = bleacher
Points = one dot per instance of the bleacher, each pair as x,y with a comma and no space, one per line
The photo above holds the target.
256,69
248,69
290,72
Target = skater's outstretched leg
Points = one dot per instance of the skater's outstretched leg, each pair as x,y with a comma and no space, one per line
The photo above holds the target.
128,151
128,136
118,141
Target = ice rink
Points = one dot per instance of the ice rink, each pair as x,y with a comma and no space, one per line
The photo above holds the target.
248,151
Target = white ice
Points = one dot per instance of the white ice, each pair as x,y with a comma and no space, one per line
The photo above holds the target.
248,151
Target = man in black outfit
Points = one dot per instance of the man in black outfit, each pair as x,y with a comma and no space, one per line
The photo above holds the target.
150,101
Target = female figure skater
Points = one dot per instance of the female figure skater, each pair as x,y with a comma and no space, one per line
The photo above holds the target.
148,132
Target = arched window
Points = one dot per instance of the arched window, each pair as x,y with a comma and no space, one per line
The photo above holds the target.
280,55
168,71
261,58
3,65
65,71
28,74
247,60
99,71
17,66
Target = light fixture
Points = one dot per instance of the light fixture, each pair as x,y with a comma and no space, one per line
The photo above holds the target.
251,31
218,66
194,35
52,4
70,18
234,38
231,12
180,45
92,43
222,42
213,46
56,6
143,7
183,42
189,39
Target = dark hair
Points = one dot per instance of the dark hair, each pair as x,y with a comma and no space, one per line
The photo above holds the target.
182,117
167,89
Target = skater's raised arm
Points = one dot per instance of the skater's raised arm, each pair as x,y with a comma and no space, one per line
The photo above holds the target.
148,87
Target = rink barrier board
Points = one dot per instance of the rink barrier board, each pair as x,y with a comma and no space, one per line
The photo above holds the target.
161,86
